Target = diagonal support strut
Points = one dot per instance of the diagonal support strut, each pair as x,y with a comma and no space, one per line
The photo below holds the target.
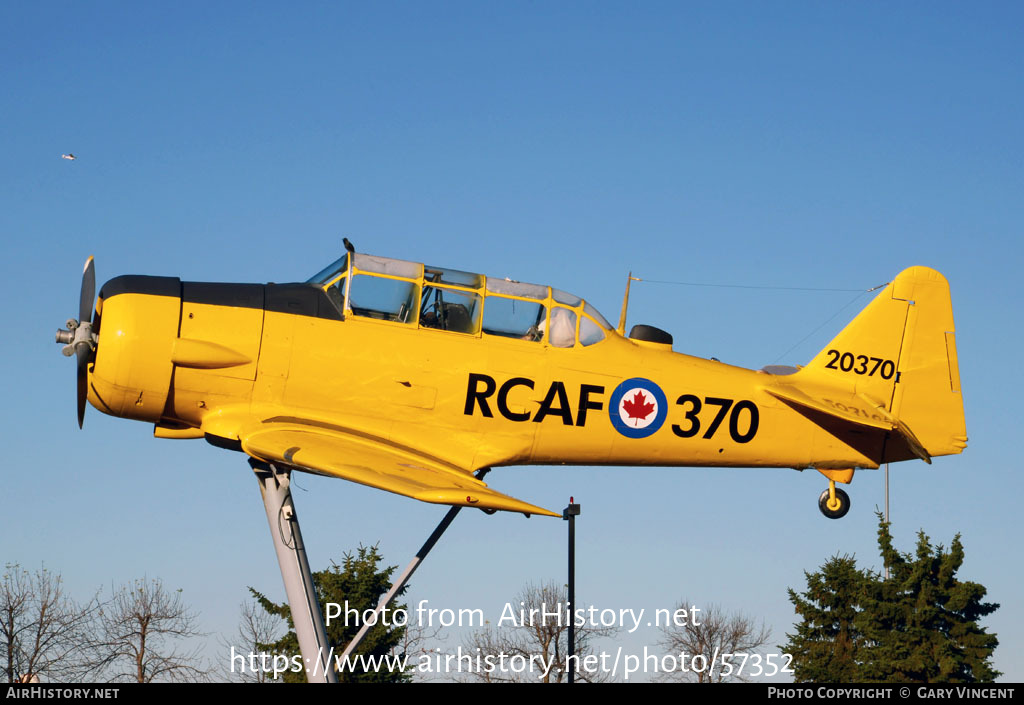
449,517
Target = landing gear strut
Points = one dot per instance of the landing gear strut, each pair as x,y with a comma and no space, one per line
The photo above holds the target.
833,502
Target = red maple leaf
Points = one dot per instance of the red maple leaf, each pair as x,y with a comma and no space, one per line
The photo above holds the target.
637,408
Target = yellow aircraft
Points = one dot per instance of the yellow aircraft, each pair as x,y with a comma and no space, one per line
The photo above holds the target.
410,378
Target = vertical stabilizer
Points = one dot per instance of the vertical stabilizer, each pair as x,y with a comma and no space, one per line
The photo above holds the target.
899,353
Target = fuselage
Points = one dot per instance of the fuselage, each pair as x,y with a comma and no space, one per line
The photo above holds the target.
202,359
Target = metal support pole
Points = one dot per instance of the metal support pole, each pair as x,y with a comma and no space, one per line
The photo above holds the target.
298,580
449,517
887,507
569,514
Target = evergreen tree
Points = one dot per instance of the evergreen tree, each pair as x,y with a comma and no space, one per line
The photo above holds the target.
360,581
920,625
827,643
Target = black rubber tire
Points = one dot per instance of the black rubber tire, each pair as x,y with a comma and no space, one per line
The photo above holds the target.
844,504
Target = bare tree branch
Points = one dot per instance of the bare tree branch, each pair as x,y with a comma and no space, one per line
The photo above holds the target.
708,634
42,628
139,635
545,640
256,627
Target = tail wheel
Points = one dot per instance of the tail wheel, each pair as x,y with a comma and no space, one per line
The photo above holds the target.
836,509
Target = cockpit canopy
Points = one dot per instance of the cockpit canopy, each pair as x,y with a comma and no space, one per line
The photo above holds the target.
413,294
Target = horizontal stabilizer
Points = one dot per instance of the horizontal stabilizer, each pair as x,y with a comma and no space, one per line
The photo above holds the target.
857,410
852,410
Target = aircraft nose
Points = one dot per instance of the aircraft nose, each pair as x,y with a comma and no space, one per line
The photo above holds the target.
137,321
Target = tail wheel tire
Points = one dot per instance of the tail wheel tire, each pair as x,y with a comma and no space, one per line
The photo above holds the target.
839,512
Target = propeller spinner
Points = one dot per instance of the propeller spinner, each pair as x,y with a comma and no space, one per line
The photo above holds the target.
78,338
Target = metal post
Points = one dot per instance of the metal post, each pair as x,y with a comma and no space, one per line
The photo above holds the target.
449,517
298,580
569,514
887,508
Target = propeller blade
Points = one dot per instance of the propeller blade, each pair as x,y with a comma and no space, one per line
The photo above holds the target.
83,354
88,292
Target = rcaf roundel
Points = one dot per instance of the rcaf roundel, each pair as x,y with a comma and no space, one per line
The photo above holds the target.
637,408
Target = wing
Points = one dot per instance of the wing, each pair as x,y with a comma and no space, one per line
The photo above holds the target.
332,450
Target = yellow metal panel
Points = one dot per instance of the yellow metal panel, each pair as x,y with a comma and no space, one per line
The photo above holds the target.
176,433
132,373
844,475
866,352
275,358
233,327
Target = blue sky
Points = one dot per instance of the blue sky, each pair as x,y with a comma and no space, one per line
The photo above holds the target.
822,145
